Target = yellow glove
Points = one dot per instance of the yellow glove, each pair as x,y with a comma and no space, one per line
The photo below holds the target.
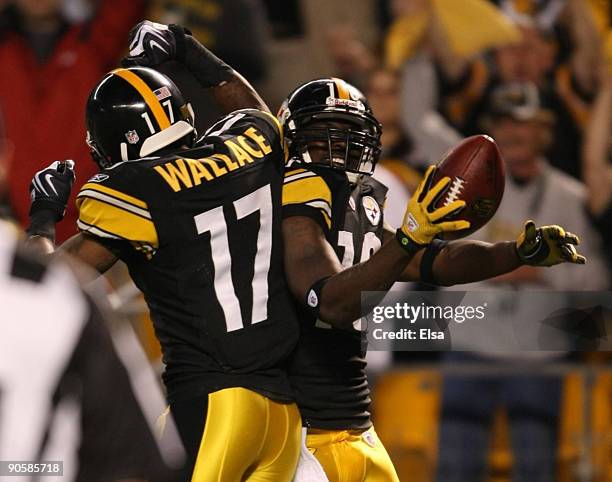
547,246
420,225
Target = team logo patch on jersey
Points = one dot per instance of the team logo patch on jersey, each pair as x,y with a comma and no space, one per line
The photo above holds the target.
372,209
132,136
313,299
368,438
99,178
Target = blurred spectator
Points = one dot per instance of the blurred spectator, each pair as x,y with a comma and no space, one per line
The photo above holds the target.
597,155
574,24
544,12
285,17
235,30
534,190
49,67
446,71
383,94
351,58
430,41
566,86
6,211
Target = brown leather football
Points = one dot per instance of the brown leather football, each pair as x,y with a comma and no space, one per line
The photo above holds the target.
476,169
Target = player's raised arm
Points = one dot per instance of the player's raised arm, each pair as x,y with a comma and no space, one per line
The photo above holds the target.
315,275
152,44
49,192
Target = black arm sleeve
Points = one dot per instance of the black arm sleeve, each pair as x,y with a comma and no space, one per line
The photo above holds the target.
206,67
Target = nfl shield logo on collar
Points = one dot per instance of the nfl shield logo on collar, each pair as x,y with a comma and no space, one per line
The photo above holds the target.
132,137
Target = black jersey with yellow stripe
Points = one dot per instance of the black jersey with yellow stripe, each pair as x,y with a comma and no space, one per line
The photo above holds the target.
200,233
328,367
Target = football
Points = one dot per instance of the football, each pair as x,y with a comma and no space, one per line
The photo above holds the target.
476,169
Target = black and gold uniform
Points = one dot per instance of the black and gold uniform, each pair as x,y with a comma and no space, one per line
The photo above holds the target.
200,233
328,368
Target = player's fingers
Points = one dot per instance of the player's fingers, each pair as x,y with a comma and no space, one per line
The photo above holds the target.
433,192
571,238
449,226
555,232
66,166
569,253
423,185
530,230
446,210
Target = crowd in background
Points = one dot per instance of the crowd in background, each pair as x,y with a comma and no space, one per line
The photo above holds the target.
534,74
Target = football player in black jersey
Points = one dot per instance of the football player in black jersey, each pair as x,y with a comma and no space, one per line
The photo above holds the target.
337,245
198,223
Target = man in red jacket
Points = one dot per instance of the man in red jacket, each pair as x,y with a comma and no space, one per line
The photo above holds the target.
48,70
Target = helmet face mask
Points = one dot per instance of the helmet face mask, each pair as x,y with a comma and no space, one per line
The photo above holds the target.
133,113
322,128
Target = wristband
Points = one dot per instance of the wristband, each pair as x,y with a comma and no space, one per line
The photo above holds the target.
313,296
42,223
407,243
427,261
179,39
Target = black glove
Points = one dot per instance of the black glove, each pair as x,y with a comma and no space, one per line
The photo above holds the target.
152,44
50,189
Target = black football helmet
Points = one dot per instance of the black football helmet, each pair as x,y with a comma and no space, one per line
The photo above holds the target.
135,112
332,113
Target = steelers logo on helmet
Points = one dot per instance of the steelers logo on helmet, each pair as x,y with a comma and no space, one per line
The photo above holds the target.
329,122
136,112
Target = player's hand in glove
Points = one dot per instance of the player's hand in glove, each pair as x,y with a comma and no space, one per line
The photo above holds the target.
547,246
151,44
50,189
422,224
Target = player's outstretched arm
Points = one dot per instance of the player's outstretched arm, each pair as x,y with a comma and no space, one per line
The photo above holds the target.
152,44
467,261
50,191
317,279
